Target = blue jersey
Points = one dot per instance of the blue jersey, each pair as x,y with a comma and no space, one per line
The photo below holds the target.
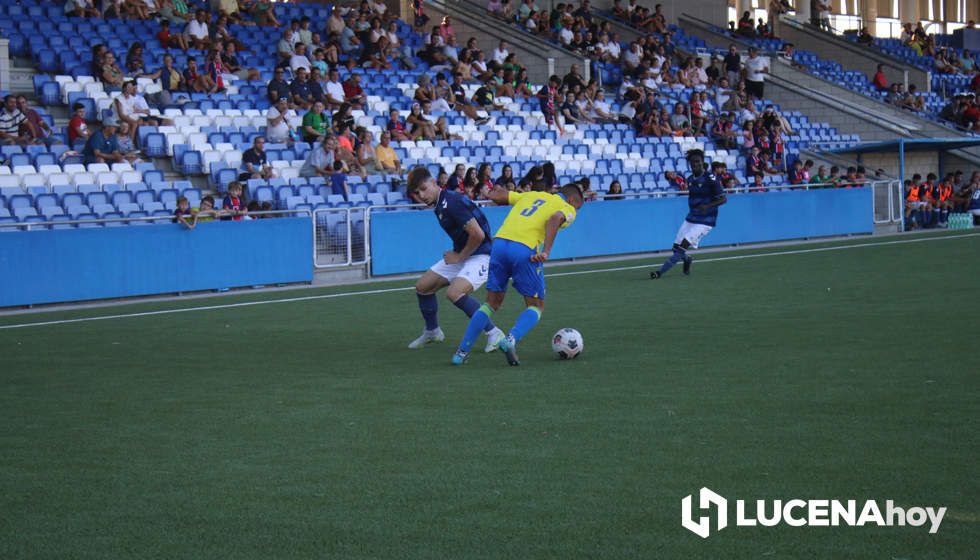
454,210
975,200
703,190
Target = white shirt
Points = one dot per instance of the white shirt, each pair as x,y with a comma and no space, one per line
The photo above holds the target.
299,61
566,35
598,105
197,29
611,47
126,106
499,56
754,69
277,132
335,90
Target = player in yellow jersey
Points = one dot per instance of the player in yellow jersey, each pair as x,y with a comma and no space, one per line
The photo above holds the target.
531,224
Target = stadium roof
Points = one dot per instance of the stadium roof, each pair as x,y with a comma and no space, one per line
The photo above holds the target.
911,145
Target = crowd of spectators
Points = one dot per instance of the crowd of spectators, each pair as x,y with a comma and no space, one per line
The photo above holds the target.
928,203
20,124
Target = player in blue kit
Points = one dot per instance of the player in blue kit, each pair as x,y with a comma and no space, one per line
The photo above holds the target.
704,196
464,268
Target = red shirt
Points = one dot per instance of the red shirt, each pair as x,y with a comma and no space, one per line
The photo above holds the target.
351,90
164,38
75,127
880,81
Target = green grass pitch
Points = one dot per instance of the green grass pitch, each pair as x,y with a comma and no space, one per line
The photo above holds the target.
307,430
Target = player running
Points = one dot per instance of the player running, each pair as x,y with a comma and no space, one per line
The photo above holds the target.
463,269
704,197
534,220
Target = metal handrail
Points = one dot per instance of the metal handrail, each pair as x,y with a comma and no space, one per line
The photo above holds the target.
169,218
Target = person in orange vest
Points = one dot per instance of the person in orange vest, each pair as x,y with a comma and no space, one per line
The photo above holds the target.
943,193
916,207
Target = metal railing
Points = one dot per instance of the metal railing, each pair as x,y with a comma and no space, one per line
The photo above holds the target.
37,225
340,237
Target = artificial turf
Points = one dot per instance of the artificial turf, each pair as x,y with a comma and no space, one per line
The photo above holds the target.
307,430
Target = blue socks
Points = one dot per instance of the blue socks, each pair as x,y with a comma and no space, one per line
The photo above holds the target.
678,256
469,305
478,323
525,322
429,306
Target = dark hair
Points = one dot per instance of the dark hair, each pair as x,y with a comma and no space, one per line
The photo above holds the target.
416,177
693,153
338,165
77,106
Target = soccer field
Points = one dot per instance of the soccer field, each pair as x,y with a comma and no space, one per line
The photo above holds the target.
306,429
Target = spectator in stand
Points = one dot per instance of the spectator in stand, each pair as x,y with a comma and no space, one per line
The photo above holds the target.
168,39
299,59
233,205
879,81
196,81
865,38
365,153
376,55
615,192
396,128
316,123
758,183
549,99
300,92
12,123
680,123
914,100
420,127
81,8
455,181
822,10
255,164
333,92
895,96
175,11
571,113
278,88
197,33
38,131
745,26
353,93
320,160
183,214
112,76
102,146
338,180
506,179
286,47
797,175
756,69
278,130
724,133
676,182
77,127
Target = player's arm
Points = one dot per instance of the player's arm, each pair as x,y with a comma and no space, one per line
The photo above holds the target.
717,200
475,238
551,228
499,196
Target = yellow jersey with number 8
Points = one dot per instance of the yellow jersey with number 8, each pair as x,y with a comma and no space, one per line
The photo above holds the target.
526,221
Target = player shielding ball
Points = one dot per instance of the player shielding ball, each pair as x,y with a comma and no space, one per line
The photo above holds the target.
704,197
533,222
463,269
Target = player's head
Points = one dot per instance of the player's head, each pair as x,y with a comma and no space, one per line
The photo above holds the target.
574,194
422,186
695,159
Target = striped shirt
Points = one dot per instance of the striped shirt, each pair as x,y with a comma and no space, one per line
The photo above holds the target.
10,121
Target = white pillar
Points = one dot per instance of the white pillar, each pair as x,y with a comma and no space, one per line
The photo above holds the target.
5,64
803,11
909,11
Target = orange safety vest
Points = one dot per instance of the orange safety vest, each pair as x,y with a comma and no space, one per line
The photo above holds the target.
913,195
945,191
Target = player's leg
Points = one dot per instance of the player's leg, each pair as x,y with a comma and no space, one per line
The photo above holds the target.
498,277
529,282
425,289
679,254
471,277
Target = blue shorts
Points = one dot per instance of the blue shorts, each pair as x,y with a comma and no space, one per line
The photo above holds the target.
512,260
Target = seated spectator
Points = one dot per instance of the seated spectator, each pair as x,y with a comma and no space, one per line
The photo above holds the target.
278,130
880,82
914,100
865,38
680,123
299,59
286,47
365,154
395,127
895,95
300,92
38,131
14,126
446,29
615,192
127,146
419,126
198,82
343,119
723,131
278,87
376,55
168,39
571,113
677,182
758,183
353,92
534,176
81,8
796,175
600,110
316,123
506,179
442,128
255,164
350,43
77,127
484,96
112,76
102,145
197,34
454,182
320,160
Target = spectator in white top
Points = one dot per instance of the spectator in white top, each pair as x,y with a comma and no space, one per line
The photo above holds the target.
286,47
299,59
566,34
601,111
278,129
500,53
333,94
197,31
604,49
11,120
756,69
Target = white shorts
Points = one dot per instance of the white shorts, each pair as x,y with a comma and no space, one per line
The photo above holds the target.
473,269
975,211
694,233
918,204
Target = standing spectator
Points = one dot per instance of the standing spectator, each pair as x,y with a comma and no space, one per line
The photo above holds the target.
386,157
197,31
278,129
234,204
756,69
338,180
255,165
880,81
733,65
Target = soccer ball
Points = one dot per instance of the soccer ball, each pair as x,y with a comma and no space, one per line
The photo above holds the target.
567,344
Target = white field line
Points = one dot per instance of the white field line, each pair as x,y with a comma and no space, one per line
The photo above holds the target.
406,288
